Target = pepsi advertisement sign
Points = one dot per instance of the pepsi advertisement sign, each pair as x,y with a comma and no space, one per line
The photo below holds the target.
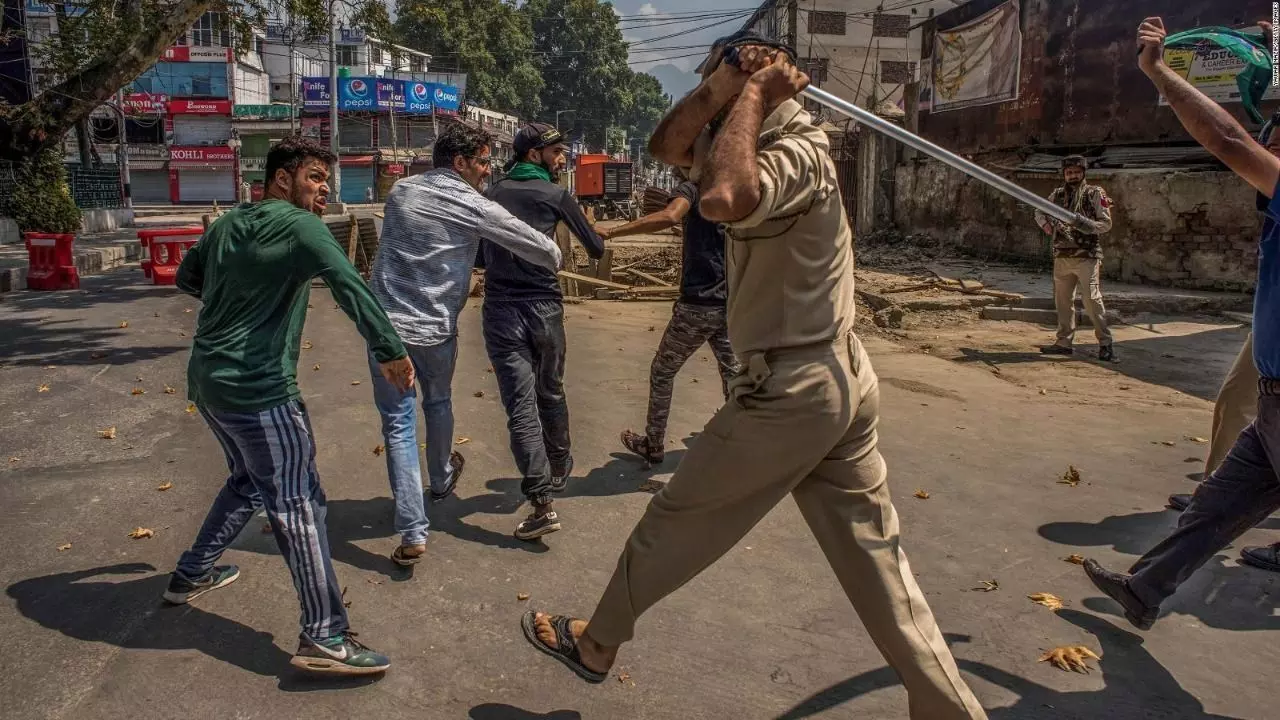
371,94
445,98
356,93
418,97
315,93
391,94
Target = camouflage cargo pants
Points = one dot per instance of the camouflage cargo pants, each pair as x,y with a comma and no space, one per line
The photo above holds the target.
690,327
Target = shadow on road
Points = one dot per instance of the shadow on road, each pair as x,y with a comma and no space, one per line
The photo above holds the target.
499,711
1136,684
1129,534
34,336
130,614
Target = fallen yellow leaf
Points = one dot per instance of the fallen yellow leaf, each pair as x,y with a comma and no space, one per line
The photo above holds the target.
1043,391
191,408
922,494
462,441
1049,600
522,596
124,324
138,391
987,586
108,434
67,546
1194,439
316,366
44,387
422,446
1168,443
1074,559
187,310
15,458
141,532
479,393
377,449
169,390
625,679
307,345
1070,477
355,382
165,486
1070,658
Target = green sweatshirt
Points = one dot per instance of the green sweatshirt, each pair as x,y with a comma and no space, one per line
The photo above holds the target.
253,270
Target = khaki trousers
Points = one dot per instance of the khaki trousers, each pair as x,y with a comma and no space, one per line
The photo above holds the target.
1235,408
1085,274
799,422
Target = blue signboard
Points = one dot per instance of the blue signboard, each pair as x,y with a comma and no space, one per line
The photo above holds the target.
372,94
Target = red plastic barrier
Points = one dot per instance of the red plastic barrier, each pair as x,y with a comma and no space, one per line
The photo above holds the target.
147,238
51,262
166,256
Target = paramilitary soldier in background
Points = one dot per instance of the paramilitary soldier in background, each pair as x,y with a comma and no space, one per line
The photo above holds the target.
801,420
1077,258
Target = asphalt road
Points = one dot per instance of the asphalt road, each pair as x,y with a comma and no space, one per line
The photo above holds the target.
765,633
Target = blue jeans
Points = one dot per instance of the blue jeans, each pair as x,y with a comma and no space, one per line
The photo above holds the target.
526,344
434,366
272,459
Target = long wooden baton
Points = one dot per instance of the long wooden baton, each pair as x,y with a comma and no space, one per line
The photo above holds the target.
981,174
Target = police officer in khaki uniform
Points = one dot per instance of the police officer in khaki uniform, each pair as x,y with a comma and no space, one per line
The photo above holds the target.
801,420
1077,258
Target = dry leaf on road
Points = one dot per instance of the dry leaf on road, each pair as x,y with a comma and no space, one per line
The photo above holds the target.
15,458
988,586
1166,443
462,441
345,602
1043,391
378,449
97,355
64,547
124,324
1049,600
141,532
522,596
191,408
1074,559
187,310
169,390
422,446
307,345
1070,477
479,393
1070,658
355,382
652,486
1195,439
165,486
137,391
921,494
108,434
625,679
44,387
316,366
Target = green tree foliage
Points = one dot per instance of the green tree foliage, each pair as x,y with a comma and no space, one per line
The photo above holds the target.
584,65
41,200
490,40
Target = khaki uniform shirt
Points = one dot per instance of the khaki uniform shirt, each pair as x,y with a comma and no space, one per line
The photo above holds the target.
790,262
1090,201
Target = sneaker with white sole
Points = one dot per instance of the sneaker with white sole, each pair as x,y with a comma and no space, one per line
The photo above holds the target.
341,655
182,591
535,526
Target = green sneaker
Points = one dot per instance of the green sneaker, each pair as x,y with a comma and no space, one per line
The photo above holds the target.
341,655
182,591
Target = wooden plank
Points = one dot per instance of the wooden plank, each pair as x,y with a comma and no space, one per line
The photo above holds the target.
650,278
568,286
604,266
653,290
353,239
565,275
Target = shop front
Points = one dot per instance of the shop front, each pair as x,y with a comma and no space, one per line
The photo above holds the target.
202,174
357,178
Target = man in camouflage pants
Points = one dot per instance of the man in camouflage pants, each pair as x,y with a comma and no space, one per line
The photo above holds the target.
1077,258
698,316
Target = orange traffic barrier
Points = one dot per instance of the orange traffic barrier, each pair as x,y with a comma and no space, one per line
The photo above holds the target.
166,255
51,261
147,239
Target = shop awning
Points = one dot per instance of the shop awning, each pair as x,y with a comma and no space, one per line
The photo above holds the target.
147,164
356,160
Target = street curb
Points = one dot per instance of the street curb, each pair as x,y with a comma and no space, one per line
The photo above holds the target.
88,262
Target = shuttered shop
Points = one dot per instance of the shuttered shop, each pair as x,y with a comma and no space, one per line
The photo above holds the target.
201,129
356,181
206,184
149,186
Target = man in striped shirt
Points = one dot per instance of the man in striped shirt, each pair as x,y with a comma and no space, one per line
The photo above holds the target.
430,237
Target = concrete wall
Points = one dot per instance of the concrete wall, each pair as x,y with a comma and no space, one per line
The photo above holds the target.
1185,229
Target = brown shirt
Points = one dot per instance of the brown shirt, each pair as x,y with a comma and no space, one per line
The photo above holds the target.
790,262
1090,201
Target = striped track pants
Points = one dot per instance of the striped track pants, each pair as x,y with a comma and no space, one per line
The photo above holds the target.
272,459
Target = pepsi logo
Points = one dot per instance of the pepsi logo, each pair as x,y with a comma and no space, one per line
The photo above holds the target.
358,87
419,92
442,96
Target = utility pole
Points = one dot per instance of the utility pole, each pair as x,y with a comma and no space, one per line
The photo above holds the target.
336,179
293,81
122,151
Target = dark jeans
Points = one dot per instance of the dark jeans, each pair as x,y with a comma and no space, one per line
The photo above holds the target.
526,345
1242,492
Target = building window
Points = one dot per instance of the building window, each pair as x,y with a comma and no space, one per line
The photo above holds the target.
259,47
816,69
890,26
347,55
827,23
375,55
39,29
415,63
211,31
897,71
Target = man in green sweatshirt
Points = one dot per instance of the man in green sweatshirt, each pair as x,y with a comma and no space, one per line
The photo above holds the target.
253,270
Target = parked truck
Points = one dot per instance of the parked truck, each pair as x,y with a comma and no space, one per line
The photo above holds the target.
607,186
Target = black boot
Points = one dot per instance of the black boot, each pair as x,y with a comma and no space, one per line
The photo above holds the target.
1116,587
